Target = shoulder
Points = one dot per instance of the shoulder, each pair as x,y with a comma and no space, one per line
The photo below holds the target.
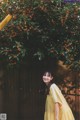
54,87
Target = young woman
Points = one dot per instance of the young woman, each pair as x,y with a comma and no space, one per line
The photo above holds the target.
56,107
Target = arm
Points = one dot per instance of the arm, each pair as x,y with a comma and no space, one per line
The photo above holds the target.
57,106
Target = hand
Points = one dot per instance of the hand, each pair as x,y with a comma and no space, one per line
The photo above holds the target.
57,119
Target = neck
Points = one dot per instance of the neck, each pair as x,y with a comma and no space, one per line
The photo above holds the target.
48,84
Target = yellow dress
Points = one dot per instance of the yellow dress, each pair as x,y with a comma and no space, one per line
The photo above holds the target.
54,96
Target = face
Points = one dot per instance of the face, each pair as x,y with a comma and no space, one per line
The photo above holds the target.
47,78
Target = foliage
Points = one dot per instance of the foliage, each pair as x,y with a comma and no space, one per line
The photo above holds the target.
41,29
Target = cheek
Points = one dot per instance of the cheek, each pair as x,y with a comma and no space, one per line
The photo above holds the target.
50,79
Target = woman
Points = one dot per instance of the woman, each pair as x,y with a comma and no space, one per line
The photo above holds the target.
56,107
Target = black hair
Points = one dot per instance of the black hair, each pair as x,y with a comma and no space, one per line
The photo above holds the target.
49,73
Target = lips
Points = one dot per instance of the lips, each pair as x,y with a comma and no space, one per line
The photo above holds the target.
45,79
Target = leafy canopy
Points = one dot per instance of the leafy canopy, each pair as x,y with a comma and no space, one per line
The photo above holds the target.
41,29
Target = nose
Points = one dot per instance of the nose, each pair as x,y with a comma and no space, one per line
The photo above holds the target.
45,77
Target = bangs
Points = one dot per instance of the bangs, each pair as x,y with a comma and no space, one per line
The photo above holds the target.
48,74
